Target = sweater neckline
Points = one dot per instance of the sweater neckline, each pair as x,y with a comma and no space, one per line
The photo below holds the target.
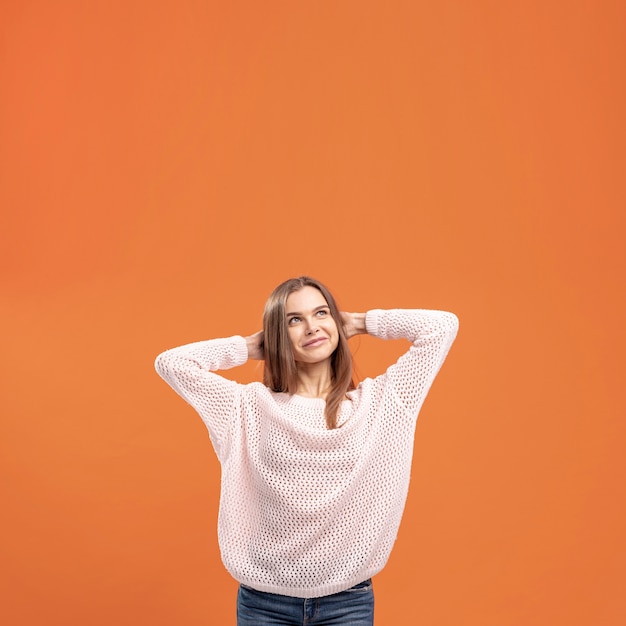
306,399
294,397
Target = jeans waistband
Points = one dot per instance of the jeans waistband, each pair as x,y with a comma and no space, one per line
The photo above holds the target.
365,583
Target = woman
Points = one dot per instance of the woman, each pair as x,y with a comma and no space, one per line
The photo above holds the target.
315,472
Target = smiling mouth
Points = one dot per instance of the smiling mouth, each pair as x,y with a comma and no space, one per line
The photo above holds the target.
315,342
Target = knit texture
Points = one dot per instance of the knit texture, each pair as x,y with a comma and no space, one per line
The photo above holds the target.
306,511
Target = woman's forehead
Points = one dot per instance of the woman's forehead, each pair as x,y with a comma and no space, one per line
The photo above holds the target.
305,299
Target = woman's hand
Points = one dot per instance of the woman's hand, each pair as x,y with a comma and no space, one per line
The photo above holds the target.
255,346
353,324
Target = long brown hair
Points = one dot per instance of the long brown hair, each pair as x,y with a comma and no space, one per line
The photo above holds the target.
280,372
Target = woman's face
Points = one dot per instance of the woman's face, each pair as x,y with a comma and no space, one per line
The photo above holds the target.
312,329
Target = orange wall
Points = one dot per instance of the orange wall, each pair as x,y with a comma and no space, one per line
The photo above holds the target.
163,164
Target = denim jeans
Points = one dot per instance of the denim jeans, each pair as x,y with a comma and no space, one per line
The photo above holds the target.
354,607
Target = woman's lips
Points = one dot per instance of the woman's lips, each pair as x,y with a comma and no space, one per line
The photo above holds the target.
315,342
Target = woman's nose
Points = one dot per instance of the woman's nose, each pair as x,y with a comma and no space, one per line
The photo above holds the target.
311,327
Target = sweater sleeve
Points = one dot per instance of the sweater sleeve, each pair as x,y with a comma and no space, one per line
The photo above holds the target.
431,333
189,371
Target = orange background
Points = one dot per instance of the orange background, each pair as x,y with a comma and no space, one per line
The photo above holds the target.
164,164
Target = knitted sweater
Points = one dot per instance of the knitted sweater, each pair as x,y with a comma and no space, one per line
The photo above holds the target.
306,511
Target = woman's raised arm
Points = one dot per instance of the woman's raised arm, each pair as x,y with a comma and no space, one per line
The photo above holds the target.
353,324
254,343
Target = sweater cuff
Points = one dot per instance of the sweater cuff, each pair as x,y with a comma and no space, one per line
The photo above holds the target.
240,355
371,321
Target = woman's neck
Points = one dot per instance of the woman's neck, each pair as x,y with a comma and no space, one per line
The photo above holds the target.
314,380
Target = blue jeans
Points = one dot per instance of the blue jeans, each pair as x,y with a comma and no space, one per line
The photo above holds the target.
354,607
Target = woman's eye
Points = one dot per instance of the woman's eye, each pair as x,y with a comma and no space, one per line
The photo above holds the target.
293,320
322,313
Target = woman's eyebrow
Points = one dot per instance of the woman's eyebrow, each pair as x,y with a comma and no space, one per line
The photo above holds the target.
317,308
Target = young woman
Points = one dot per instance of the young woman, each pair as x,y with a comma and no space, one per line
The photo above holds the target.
315,472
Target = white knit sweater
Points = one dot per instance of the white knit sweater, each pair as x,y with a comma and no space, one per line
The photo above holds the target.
306,511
